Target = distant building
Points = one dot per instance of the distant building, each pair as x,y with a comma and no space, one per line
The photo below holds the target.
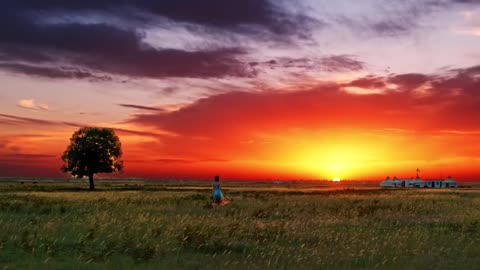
418,182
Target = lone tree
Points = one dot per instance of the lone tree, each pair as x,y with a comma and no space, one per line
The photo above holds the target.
91,151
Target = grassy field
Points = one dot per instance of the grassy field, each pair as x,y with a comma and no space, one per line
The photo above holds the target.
171,226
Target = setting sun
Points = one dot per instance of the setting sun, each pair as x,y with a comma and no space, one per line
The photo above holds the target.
336,179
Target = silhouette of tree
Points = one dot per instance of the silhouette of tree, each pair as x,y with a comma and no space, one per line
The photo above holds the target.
91,151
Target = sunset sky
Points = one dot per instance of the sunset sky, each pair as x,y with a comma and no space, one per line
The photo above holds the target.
247,89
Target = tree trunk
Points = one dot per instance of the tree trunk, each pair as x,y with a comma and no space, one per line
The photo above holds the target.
90,180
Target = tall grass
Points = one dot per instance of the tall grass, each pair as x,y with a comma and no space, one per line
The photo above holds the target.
164,229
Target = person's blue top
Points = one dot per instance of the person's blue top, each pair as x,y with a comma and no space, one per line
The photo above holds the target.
217,193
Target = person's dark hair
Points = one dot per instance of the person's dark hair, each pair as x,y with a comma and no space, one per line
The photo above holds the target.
217,178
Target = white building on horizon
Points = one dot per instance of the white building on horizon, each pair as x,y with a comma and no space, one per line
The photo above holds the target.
418,182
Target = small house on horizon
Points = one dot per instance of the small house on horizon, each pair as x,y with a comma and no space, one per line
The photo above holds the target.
418,182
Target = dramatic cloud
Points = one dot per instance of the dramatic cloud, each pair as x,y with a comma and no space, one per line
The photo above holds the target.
242,16
442,106
49,39
74,50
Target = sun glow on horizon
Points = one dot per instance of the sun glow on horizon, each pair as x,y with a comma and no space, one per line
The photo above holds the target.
338,153
336,179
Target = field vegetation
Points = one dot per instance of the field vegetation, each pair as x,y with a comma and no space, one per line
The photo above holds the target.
171,226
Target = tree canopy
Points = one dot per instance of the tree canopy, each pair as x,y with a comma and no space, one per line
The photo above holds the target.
91,151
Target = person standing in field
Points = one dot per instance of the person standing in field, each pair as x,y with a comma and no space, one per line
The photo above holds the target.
217,191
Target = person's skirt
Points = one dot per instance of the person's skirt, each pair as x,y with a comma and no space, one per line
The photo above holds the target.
217,195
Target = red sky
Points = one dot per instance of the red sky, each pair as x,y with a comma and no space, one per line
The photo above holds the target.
235,90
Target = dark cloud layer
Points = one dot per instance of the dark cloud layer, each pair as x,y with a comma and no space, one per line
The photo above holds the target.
53,72
228,14
332,63
147,108
367,82
409,80
86,49
42,35
341,63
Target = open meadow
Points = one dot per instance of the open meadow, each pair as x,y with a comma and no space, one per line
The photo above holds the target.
164,225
